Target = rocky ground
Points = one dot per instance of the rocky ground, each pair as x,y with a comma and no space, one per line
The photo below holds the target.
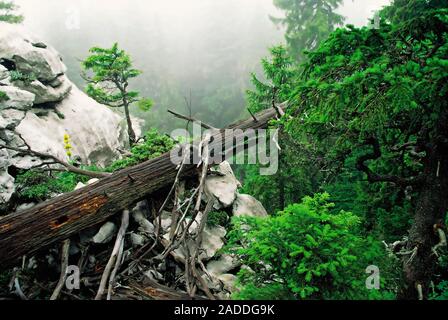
151,266
40,105
157,249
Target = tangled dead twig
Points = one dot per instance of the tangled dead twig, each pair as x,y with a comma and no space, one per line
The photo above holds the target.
115,258
178,243
54,160
64,265
197,194
15,284
195,258
412,253
442,240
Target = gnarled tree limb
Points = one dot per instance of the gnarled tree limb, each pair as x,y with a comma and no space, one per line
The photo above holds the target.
69,167
374,177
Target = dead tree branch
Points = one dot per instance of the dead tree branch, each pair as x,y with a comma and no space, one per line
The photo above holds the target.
115,258
374,177
190,119
66,165
64,265
59,218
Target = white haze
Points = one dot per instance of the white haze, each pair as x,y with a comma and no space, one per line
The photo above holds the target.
208,47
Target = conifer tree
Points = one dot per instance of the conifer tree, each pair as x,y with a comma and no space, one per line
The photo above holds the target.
8,12
307,22
111,70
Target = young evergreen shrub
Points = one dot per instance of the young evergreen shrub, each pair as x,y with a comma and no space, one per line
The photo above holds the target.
308,252
37,186
154,145
3,96
19,76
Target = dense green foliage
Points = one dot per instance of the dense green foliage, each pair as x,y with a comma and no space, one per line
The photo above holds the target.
365,87
360,81
3,96
154,145
112,70
8,12
36,186
441,293
279,71
19,76
363,143
367,117
308,252
218,218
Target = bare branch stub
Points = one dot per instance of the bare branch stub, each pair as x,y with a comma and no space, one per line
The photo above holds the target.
191,119
69,167
252,115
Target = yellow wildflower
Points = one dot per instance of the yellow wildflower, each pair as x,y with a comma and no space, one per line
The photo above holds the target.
67,145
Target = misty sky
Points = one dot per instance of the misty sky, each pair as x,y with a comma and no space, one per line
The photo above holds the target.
206,46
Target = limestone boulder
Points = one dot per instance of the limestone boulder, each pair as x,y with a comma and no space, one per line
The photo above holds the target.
17,98
223,185
246,205
95,131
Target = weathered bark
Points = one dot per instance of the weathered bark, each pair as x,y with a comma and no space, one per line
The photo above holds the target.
431,210
155,291
131,132
58,219
419,259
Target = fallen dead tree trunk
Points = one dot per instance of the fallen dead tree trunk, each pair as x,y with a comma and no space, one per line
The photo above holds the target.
56,220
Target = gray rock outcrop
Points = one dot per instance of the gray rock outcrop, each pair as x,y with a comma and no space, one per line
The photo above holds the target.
39,105
223,186
246,205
